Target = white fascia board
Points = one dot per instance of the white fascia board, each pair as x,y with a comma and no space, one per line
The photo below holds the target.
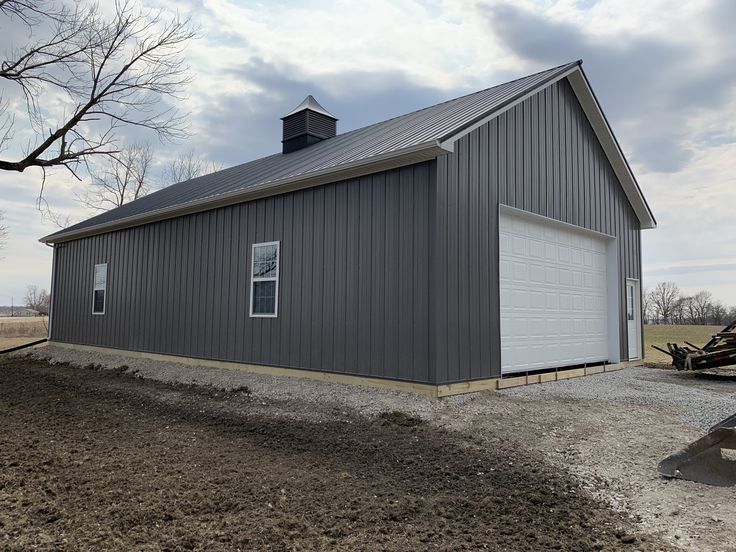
607,139
391,160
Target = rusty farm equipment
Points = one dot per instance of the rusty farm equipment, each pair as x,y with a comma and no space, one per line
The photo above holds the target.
719,351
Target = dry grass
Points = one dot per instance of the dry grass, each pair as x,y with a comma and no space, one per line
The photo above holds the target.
35,327
660,335
10,342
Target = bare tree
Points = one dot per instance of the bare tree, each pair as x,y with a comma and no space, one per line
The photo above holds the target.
665,297
37,299
646,305
702,302
718,312
680,310
113,73
3,232
186,166
731,316
122,179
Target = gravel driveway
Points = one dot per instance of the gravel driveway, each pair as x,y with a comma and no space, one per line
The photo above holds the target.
697,402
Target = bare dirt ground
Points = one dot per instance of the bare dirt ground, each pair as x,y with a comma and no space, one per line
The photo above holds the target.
100,460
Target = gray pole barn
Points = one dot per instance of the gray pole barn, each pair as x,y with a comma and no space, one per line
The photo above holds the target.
492,235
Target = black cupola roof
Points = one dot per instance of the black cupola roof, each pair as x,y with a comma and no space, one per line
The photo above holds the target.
307,124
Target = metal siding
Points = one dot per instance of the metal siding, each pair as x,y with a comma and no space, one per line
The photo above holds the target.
541,156
353,290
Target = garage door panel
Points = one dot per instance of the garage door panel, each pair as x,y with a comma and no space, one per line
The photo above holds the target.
553,295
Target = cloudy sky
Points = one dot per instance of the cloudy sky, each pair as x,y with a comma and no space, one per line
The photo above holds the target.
663,71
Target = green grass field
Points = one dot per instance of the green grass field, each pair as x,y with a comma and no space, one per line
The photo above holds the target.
660,335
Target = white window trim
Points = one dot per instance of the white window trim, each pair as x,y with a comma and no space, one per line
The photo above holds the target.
94,288
270,279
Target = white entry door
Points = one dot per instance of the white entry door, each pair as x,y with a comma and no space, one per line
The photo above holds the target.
553,294
633,319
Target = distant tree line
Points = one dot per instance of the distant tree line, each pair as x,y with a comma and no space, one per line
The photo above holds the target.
666,304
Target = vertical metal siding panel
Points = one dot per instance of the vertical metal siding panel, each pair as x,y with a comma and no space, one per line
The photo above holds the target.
214,283
556,165
122,331
405,273
136,308
191,290
235,296
453,284
537,152
477,245
162,284
318,352
296,268
178,275
81,320
499,153
527,152
568,189
307,280
335,276
91,322
274,225
440,271
78,282
352,312
250,239
517,181
420,234
548,184
378,280
365,239
463,255
143,299
578,197
493,341
283,229
391,277
226,295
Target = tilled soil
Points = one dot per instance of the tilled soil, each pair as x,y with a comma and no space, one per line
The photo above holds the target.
101,460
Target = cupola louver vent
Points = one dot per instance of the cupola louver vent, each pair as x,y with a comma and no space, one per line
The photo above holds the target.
307,124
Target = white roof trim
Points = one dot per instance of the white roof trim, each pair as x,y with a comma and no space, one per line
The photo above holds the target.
603,132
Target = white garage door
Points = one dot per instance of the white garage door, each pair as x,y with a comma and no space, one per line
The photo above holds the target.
553,294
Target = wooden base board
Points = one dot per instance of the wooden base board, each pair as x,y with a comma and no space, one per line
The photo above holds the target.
444,390
560,375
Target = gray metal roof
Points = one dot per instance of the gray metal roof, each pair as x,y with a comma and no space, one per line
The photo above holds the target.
394,137
310,103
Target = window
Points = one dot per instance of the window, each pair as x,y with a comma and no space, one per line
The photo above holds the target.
264,282
99,289
629,302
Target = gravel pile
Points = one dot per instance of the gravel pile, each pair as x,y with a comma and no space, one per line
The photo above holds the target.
694,404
